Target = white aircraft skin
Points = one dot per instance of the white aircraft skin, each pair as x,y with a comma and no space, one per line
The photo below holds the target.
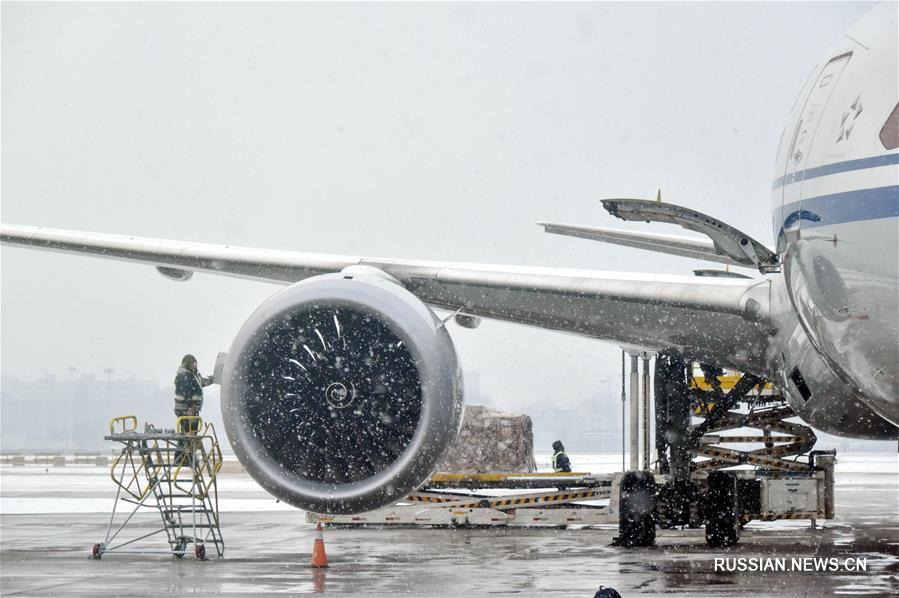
825,328
835,203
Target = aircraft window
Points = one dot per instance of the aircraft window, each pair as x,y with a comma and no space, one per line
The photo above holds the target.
889,134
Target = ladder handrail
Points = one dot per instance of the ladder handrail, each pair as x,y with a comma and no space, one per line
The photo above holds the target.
123,420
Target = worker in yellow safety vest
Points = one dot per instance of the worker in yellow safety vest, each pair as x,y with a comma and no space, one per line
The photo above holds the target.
560,459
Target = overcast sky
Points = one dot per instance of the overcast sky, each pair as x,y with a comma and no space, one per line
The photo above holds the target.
440,131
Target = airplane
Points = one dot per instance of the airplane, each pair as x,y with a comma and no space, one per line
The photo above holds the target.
341,392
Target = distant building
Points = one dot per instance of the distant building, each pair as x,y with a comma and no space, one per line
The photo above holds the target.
590,425
72,415
66,416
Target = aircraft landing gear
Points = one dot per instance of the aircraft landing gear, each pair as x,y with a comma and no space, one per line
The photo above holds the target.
636,522
721,510
704,422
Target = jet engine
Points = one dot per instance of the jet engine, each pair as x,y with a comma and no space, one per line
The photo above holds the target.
341,392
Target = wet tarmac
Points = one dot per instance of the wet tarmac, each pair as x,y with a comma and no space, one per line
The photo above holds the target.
268,548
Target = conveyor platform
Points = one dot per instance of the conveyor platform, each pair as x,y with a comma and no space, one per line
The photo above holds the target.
483,499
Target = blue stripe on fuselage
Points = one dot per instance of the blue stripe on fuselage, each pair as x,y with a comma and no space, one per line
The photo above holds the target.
839,208
836,167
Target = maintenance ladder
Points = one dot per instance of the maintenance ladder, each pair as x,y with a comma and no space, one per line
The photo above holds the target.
173,473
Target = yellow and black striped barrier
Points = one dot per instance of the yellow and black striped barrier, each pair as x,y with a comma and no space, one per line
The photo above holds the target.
754,439
739,458
444,478
511,502
503,480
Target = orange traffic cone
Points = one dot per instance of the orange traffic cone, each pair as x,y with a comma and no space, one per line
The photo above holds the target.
319,558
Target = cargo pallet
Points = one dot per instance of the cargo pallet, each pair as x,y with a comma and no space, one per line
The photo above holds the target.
174,474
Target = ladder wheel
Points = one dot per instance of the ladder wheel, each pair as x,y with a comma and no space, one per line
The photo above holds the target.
200,551
179,549
95,552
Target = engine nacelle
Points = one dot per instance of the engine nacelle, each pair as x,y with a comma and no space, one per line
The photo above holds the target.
341,393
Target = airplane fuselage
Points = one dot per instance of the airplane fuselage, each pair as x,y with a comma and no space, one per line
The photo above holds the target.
835,205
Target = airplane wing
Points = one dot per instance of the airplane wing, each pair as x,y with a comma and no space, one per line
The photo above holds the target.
706,318
724,243
701,249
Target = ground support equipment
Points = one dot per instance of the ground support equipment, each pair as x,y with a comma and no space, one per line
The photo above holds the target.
172,473
453,500
727,454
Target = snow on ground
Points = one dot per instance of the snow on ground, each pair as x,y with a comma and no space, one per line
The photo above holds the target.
36,489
